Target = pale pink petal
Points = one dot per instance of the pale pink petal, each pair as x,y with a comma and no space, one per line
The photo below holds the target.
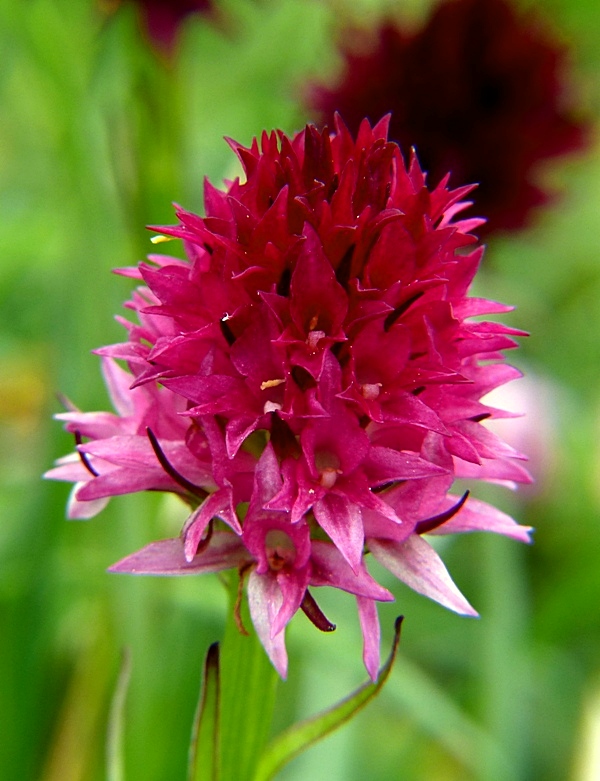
501,471
369,624
119,382
124,481
129,451
418,565
69,468
476,516
166,557
82,511
92,424
265,600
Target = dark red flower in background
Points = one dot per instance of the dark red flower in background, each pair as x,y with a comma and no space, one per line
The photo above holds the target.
478,91
162,19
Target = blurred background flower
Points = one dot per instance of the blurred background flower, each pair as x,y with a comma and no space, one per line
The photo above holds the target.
163,19
97,137
479,88
535,406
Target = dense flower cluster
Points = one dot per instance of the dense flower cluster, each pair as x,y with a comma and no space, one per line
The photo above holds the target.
478,90
309,380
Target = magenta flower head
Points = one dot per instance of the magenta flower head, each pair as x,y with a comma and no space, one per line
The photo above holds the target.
310,381
478,91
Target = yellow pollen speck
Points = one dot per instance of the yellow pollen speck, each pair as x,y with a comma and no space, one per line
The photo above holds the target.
160,239
313,323
271,384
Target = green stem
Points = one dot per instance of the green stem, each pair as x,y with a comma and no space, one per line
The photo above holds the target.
248,687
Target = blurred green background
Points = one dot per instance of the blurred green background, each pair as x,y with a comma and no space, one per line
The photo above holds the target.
98,135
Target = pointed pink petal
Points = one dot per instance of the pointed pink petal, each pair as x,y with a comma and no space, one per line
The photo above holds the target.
369,623
356,490
166,557
329,568
293,586
501,470
342,521
118,382
127,451
265,600
384,464
479,516
96,425
238,429
267,478
124,481
82,511
216,505
418,565
70,469
317,300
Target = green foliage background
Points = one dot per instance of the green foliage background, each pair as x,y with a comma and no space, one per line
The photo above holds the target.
98,135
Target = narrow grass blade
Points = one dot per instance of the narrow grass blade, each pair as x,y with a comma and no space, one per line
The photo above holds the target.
204,745
301,736
115,762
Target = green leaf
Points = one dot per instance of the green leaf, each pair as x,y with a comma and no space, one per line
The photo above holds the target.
115,764
248,687
203,762
301,736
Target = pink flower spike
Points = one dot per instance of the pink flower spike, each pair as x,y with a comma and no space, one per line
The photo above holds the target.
310,380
